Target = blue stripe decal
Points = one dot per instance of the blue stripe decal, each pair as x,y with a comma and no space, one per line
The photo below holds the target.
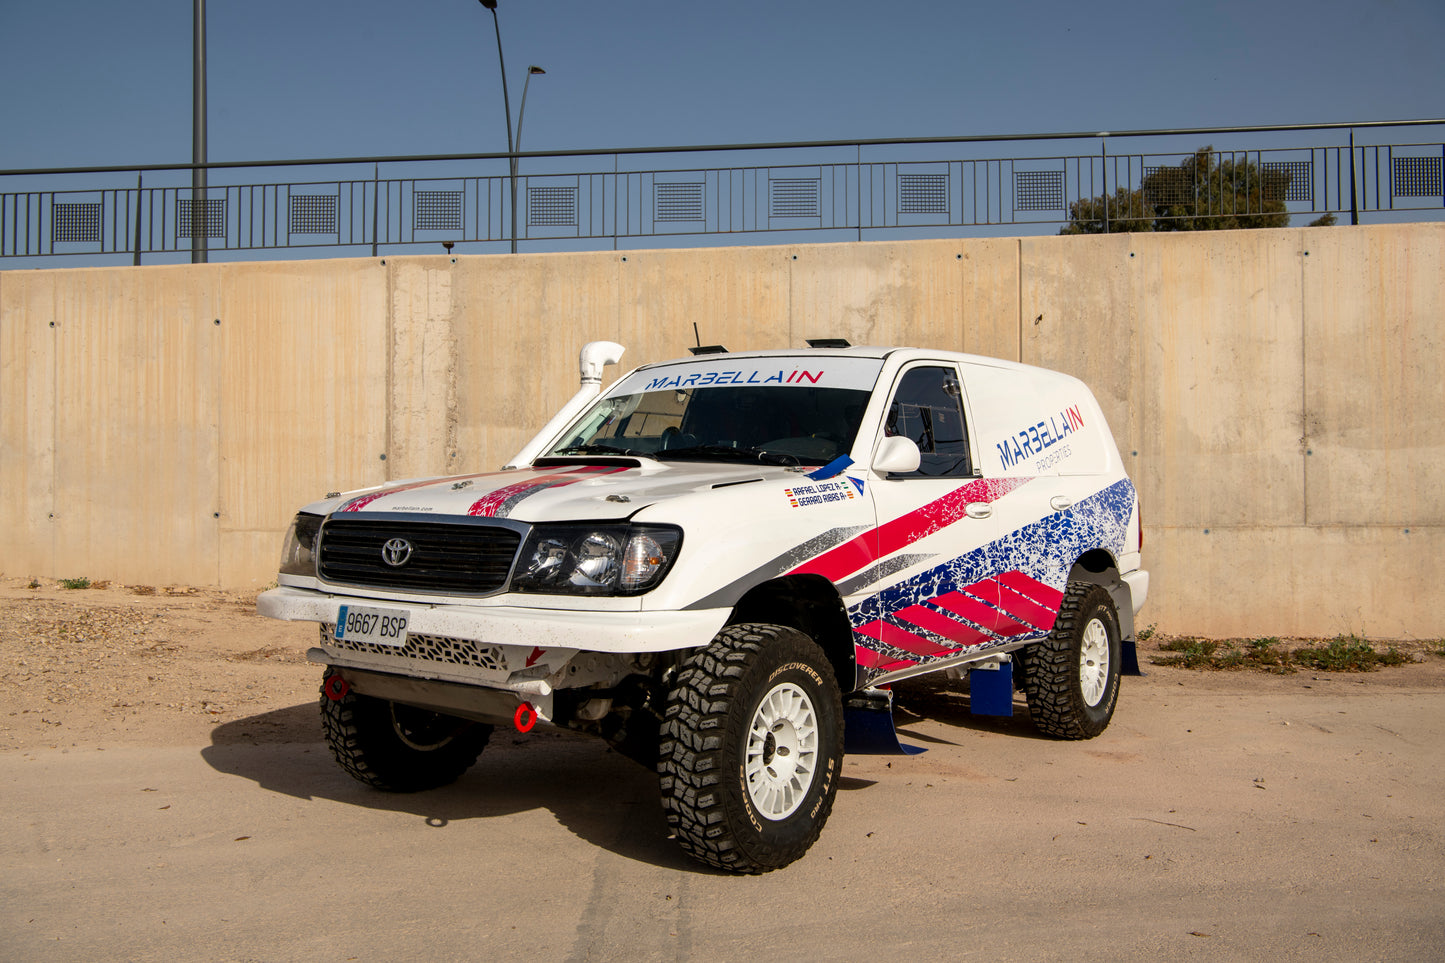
835,467
1045,550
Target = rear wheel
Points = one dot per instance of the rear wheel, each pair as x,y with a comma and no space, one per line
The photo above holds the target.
752,744
1072,677
396,747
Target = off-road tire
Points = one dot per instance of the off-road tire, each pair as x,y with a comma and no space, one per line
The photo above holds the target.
1070,695
395,747
771,688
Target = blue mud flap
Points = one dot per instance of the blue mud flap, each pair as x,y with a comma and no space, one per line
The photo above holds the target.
1129,663
991,690
868,726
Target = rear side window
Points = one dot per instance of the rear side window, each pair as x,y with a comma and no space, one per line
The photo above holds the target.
927,409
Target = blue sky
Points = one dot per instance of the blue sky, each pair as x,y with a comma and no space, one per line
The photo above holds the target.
89,82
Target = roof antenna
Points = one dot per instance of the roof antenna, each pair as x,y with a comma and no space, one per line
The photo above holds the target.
710,349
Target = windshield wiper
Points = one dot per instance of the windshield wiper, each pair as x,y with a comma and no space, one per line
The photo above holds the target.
757,455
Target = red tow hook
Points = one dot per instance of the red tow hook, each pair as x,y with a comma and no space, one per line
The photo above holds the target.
525,717
336,688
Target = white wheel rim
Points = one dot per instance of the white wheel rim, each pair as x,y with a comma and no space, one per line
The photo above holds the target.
781,755
1094,662
406,733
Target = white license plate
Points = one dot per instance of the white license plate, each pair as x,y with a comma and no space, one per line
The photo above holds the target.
355,623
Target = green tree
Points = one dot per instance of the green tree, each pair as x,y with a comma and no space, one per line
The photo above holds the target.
1204,193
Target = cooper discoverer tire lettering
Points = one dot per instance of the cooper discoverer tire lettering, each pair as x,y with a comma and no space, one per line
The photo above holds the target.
752,746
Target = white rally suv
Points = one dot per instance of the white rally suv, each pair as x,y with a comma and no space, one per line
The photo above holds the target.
718,565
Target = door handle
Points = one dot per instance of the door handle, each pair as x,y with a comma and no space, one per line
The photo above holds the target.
978,509
1061,503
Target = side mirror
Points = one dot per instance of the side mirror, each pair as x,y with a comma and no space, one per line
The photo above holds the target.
896,454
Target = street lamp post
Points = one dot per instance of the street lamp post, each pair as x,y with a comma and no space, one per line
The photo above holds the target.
507,105
512,146
521,113
200,235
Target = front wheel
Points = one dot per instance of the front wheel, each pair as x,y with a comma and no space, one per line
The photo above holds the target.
751,749
396,747
1072,676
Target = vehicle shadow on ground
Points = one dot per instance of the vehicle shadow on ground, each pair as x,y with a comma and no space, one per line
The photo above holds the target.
934,698
597,794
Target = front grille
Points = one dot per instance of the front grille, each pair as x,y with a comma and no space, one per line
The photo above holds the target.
425,648
447,558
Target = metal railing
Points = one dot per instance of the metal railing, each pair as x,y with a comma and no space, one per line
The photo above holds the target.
834,189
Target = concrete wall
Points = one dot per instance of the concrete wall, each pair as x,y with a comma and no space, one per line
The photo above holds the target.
1275,393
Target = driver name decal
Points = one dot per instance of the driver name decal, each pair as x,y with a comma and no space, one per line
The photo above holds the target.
821,493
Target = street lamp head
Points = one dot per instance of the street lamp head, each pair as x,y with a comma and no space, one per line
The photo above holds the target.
534,69
489,4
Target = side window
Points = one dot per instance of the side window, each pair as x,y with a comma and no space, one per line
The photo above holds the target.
926,408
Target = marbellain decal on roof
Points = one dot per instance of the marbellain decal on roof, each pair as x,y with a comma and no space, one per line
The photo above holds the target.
738,377
859,374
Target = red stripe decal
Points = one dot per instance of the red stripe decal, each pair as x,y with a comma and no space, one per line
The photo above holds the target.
874,630
357,504
1006,625
491,503
852,555
903,531
1046,595
975,611
903,639
488,505
940,624
1026,609
872,658
869,659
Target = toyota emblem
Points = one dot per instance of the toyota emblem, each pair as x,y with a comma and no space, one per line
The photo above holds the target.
396,552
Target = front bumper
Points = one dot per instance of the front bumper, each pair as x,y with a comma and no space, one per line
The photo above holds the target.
501,656
512,625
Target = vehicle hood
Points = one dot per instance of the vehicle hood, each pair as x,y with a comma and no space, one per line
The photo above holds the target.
557,493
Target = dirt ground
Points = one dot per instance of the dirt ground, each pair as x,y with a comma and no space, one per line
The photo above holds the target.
157,665
139,664
166,795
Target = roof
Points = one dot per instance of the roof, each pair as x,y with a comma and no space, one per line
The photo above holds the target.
877,352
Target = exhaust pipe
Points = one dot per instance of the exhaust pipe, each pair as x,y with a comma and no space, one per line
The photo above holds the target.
595,355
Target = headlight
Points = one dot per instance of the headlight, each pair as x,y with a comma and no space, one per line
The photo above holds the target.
596,559
298,556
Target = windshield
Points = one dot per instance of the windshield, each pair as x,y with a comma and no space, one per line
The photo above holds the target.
729,417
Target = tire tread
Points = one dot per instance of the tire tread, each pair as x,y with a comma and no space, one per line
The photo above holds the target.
359,733
692,766
1051,668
